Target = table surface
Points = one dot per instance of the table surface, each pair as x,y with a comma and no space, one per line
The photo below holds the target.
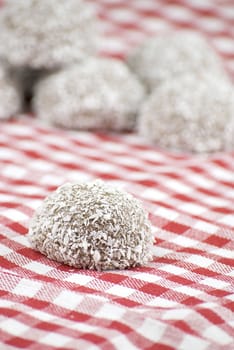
184,298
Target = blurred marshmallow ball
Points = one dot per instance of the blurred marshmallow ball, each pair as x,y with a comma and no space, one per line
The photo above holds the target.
99,93
10,97
229,134
46,34
189,114
92,226
168,56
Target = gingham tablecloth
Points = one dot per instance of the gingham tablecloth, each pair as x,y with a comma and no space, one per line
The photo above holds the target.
184,298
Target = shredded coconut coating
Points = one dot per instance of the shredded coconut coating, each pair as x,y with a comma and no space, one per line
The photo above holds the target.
189,114
168,56
100,93
46,34
92,226
10,97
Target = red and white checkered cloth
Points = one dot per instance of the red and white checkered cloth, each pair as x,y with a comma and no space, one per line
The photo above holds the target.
184,299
